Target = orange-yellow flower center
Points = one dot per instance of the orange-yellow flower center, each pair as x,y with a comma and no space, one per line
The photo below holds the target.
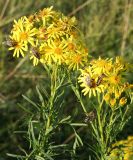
43,13
114,79
74,34
77,59
101,63
71,46
24,36
18,46
112,102
58,51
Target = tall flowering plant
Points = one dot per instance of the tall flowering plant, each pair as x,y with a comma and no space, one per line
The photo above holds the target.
105,80
53,40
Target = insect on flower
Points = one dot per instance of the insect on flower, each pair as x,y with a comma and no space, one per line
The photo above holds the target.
89,117
100,79
10,42
90,82
35,52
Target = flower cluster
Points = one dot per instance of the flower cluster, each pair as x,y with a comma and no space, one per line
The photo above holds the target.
123,149
106,76
50,37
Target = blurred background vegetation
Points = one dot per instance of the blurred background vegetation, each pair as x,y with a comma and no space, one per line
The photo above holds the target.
107,27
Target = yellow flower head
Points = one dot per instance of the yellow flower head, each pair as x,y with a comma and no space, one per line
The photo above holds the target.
18,47
18,24
123,101
76,59
25,32
45,15
122,149
107,97
112,102
106,77
46,12
120,64
88,81
55,34
54,51
66,24
118,93
101,65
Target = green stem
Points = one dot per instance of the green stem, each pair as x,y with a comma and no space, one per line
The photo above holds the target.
101,131
53,77
110,127
100,128
82,105
76,91
53,88
48,123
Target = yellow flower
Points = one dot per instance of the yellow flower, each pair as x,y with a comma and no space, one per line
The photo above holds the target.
127,86
112,102
41,33
72,44
101,65
66,24
77,55
18,24
123,101
54,51
76,60
123,149
24,30
58,38
130,138
114,79
35,54
32,18
104,76
107,97
117,94
120,64
35,60
45,14
19,48
54,32
88,81
114,84
128,156
27,35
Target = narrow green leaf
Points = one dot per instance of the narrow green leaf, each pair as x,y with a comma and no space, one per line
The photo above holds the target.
40,96
78,124
34,104
15,155
65,119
